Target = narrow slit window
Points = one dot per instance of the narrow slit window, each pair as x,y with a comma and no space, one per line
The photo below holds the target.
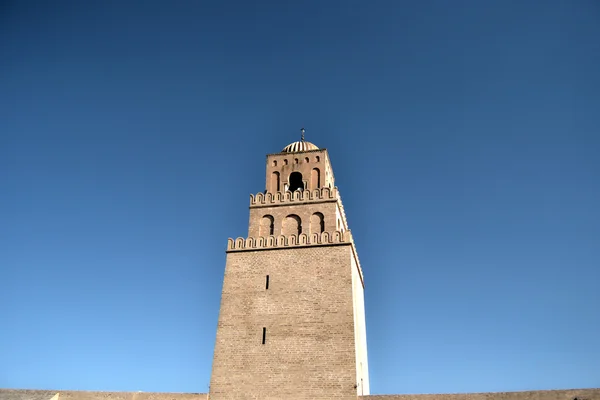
264,335
267,283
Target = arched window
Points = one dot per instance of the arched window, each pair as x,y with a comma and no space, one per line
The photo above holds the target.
315,178
275,182
266,226
306,159
317,158
292,225
274,163
317,223
296,182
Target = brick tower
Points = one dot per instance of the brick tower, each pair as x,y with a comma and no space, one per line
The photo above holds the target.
292,319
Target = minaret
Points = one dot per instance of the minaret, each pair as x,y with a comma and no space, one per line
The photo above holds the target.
292,320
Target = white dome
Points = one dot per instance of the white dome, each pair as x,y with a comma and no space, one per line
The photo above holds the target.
299,146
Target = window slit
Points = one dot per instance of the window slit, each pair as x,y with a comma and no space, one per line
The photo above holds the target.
267,283
264,335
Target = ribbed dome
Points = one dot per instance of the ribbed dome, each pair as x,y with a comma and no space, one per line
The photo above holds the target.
299,146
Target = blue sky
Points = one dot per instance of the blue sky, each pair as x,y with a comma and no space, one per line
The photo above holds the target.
465,140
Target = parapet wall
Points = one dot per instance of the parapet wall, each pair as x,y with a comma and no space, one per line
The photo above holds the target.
299,196
574,394
17,394
303,239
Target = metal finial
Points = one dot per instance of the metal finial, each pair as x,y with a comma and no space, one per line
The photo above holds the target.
302,136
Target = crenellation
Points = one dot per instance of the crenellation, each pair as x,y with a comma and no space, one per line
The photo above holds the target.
280,242
240,242
303,239
315,238
315,195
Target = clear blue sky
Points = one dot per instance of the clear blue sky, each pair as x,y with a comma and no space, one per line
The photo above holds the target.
465,140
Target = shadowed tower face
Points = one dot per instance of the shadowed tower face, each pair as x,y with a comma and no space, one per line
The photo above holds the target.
292,321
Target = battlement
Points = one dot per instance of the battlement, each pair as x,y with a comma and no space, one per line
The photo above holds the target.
299,196
291,241
303,239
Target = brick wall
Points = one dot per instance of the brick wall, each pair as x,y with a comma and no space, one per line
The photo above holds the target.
304,211
309,351
20,394
285,163
13,394
580,394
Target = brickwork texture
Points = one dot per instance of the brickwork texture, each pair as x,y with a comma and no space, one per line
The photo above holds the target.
307,310
13,394
574,394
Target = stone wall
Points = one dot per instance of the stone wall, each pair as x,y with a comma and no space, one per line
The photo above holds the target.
281,165
579,394
309,350
574,394
304,211
14,394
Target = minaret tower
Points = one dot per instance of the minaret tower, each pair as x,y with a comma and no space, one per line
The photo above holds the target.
292,318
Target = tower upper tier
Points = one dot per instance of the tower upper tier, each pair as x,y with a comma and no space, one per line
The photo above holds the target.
299,166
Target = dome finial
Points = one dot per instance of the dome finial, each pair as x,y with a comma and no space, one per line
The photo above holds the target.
299,146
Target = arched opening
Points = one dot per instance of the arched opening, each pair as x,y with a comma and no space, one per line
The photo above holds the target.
275,182
292,225
266,226
296,182
315,178
317,223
